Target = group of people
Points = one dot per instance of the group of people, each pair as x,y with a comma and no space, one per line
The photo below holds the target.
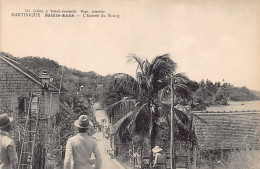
78,152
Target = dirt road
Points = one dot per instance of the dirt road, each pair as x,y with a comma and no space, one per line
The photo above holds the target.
103,143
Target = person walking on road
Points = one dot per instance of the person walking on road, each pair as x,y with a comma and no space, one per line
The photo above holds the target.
80,147
8,155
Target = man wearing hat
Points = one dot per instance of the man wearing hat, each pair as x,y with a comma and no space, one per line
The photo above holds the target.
160,158
8,155
80,147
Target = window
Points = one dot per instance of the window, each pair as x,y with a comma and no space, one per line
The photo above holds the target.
22,105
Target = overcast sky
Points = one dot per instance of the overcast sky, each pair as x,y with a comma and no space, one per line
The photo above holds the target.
207,39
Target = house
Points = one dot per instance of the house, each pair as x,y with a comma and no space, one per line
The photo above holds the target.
16,84
221,133
213,136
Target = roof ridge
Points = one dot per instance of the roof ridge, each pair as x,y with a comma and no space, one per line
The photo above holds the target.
9,61
21,65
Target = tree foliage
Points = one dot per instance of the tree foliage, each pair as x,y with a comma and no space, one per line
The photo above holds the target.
208,94
150,87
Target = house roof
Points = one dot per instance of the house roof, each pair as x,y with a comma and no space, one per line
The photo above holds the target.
233,130
27,72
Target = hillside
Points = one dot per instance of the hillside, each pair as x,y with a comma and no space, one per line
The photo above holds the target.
77,91
203,92
72,78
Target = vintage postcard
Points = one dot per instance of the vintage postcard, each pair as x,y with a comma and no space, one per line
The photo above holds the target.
59,58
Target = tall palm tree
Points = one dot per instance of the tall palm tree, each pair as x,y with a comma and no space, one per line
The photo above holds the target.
151,86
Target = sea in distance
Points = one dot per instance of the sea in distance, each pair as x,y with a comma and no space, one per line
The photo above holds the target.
236,106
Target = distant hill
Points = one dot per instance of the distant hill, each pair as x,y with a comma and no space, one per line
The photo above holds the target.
95,85
255,92
208,93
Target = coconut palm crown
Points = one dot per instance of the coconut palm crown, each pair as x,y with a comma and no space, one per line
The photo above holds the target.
149,89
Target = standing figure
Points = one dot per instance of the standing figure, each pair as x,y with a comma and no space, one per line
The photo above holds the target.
80,147
160,158
8,155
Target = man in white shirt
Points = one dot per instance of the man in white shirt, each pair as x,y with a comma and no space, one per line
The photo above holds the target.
8,155
80,147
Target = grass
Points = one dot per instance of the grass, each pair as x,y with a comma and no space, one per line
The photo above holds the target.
235,160
244,160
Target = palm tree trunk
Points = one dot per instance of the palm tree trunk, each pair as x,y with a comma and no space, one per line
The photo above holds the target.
172,129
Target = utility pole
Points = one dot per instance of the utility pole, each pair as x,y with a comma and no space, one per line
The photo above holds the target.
61,78
172,130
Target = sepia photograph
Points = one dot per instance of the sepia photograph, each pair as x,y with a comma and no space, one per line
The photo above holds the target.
112,84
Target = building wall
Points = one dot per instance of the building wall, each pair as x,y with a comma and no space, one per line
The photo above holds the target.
14,85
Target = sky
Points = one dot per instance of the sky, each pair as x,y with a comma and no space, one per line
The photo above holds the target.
207,39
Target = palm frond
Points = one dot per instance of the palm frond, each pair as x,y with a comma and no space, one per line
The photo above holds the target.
133,58
164,93
180,87
123,130
139,76
184,129
138,110
181,117
180,78
118,103
162,67
183,91
126,83
141,122
135,123
147,68
164,109
182,120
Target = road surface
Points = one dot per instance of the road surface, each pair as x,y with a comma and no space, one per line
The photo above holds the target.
103,143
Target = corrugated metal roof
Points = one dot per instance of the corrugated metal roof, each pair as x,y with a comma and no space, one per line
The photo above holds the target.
234,130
